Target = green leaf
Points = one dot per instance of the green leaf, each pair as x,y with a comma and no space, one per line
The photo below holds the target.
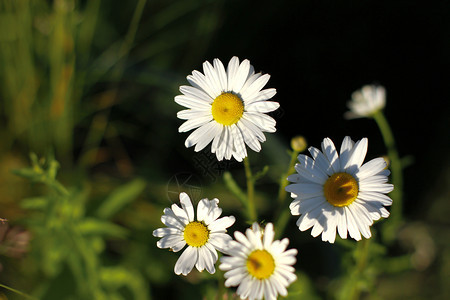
90,226
120,197
115,278
34,203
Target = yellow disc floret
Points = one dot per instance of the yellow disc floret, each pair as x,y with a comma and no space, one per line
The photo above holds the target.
196,234
260,264
341,189
227,109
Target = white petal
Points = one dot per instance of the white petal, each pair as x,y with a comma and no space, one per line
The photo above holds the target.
262,95
253,128
191,91
341,222
308,164
198,80
262,106
357,157
255,87
371,168
239,145
351,224
194,123
221,224
171,241
330,152
192,102
310,204
170,220
187,206
249,137
241,76
232,68
180,213
264,122
193,113
160,232
213,78
321,161
220,143
222,75
202,209
375,196
187,261
376,187
208,133
202,136
268,236
346,151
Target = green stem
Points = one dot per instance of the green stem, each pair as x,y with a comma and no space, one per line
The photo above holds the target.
17,292
234,188
395,166
250,191
283,180
362,251
283,214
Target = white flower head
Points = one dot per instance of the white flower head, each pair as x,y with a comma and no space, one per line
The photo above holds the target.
227,108
333,191
258,265
366,102
203,236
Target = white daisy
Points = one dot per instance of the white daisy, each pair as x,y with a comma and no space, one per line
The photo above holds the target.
203,236
227,108
366,102
338,191
258,265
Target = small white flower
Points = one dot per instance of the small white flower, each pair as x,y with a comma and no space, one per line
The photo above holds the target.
339,191
366,102
203,236
258,265
227,108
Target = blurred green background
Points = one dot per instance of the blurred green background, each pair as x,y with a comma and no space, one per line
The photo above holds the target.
90,85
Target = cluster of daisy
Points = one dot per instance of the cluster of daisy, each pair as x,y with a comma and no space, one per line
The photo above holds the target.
333,192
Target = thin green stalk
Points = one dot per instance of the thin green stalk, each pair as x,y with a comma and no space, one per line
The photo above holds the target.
235,189
250,191
361,264
283,214
17,292
395,166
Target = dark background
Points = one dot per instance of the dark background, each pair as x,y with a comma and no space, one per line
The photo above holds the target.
120,123
319,52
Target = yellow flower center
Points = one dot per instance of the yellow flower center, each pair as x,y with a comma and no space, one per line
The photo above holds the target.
227,109
196,234
341,189
260,264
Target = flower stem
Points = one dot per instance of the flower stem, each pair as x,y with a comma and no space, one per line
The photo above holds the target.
283,213
356,278
250,191
362,254
17,291
235,189
395,166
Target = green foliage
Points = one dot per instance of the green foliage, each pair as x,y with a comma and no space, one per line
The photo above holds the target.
69,240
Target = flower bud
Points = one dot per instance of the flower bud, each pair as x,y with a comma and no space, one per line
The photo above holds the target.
298,143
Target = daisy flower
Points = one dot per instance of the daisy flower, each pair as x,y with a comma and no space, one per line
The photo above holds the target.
203,236
227,108
258,265
339,191
366,102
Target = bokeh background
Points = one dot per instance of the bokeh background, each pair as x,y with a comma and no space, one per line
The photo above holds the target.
91,83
